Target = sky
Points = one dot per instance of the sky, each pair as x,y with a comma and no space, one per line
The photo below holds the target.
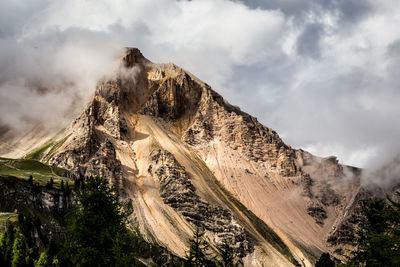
325,74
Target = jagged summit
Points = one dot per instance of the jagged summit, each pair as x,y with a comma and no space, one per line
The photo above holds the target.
186,158
133,56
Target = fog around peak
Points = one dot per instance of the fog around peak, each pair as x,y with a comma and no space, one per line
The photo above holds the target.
324,74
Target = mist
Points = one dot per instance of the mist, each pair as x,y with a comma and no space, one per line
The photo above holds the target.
323,74
48,78
386,176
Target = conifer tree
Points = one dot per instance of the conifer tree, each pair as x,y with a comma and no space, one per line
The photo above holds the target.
67,190
379,239
43,260
50,184
97,227
198,255
325,261
227,255
6,245
18,253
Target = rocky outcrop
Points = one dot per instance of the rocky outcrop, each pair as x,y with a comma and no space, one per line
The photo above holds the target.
320,194
49,205
175,95
17,194
217,120
300,196
317,212
346,232
177,191
90,151
317,202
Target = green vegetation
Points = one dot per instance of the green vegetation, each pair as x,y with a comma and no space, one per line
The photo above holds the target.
37,153
379,239
56,146
40,172
325,261
21,243
227,255
262,228
6,245
199,255
96,234
14,249
45,151
5,218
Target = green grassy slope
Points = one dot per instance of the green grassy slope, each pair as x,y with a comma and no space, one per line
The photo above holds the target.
45,151
41,173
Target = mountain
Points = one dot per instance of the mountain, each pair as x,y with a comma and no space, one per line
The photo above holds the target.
185,157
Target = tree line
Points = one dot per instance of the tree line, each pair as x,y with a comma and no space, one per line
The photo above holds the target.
378,242
97,233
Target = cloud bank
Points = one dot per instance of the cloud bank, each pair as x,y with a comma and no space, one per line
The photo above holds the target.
323,73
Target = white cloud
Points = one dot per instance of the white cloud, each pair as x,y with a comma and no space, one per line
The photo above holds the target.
44,77
324,74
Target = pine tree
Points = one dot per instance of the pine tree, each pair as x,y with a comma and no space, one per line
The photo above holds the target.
227,255
77,183
43,260
6,245
2,249
50,184
198,252
379,239
26,227
18,253
67,190
97,226
325,261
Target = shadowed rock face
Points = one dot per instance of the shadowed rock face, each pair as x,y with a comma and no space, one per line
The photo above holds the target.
50,201
90,151
178,192
18,194
170,143
346,231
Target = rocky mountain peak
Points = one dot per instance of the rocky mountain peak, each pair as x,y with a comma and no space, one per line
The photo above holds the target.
187,158
133,56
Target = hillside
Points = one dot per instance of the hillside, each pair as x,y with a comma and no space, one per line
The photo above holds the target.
187,158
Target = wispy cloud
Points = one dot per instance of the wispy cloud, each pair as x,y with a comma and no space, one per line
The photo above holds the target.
324,74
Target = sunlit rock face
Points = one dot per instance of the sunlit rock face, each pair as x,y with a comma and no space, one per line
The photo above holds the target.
185,158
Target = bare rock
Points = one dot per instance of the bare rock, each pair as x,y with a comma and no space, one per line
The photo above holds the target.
177,191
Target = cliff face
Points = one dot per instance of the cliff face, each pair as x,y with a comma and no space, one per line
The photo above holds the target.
186,158
19,193
48,204
178,192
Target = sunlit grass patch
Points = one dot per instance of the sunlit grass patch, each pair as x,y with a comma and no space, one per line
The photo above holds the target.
41,173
